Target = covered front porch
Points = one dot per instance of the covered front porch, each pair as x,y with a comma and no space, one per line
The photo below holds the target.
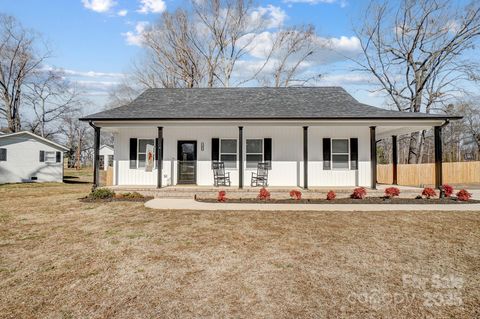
298,153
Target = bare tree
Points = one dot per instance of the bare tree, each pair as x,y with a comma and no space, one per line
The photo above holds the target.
50,96
415,52
202,44
19,60
78,138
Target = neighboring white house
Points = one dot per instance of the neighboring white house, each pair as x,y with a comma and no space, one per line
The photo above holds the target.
106,157
26,157
309,136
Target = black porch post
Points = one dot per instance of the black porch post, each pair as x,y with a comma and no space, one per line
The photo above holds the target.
373,156
394,159
305,157
240,155
159,156
438,159
96,156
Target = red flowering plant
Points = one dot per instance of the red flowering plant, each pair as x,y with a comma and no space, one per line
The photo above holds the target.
359,193
429,192
463,195
295,194
264,194
222,196
331,195
392,192
447,190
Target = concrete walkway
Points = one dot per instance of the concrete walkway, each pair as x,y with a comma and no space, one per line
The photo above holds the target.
191,204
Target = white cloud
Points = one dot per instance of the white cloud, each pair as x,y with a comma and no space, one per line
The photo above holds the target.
122,13
152,6
96,85
343,3
273,16
99,5
86,74
342,79
136,37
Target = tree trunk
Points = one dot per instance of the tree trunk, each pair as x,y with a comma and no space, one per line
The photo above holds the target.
413,148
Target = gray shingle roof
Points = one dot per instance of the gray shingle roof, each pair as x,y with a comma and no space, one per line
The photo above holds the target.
249,103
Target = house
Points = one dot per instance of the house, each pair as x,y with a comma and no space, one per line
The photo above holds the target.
26,157
309,136
106,157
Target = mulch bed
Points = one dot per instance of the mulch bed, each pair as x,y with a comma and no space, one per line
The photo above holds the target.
88,199
367,200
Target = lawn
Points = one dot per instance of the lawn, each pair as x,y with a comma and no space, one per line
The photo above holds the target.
61,258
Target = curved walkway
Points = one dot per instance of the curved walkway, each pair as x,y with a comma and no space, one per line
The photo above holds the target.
191,204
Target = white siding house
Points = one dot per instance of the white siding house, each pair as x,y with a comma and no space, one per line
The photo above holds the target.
307,137
26,157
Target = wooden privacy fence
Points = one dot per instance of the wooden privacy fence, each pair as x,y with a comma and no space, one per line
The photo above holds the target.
424,174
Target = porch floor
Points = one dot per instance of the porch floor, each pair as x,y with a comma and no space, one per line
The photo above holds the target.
190,191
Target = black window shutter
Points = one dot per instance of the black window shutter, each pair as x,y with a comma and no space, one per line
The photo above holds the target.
58,157
327,151
3,154
133,153
42,156
267,151
215,149
354,153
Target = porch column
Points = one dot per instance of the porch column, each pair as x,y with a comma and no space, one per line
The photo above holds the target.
394,159
96,156
305,157
373,156
438,159
240,155
159,156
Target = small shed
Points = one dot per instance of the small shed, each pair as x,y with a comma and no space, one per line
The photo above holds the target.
27,157
106,157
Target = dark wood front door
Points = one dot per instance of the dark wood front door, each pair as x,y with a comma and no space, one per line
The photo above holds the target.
187,162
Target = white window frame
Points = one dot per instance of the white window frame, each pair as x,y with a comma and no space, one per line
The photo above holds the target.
45,157
348,153
220,153
138,153
246,153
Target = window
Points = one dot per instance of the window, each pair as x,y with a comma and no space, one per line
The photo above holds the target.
142,151
3,154
110,160
340,154
228,152
50,157
254,152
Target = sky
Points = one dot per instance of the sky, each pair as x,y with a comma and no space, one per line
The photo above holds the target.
95,41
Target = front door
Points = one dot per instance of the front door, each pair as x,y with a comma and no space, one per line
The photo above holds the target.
187,162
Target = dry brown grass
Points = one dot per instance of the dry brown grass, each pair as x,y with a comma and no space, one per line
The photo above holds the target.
62,258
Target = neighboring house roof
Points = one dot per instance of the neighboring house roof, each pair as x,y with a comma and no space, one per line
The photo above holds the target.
250,104
106,146
35,136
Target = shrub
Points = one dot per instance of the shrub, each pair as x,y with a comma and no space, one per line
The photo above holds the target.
102,193
134,195
222,196
295,194
447,190
463,195
359,193
429,192
392,192
264,194
331,195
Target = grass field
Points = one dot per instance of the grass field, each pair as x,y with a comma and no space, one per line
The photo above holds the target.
61,258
